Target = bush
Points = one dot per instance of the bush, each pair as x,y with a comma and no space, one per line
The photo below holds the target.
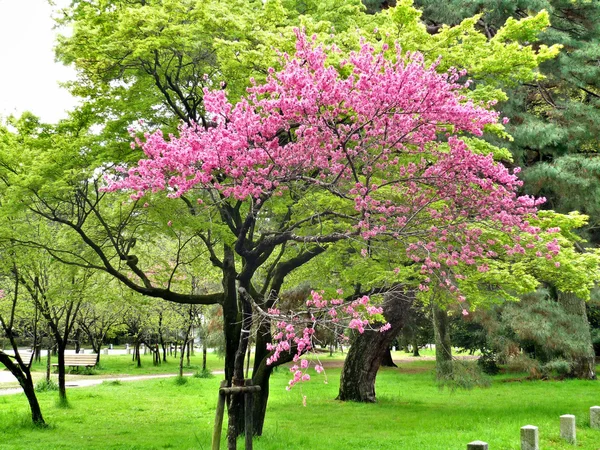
488,363
204,373
461,375
180,381
46,386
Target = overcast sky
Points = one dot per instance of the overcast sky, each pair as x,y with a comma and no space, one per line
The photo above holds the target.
28,74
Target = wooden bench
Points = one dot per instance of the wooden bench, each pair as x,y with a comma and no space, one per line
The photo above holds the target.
80,360
26,357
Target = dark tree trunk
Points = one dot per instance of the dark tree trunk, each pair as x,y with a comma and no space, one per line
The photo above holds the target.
357,381
181,357
204,351
49,359
77,340
443,345
136,353
236,402
386,359
23,376
96,346
415,344
231,319
161,338
62,379
261,377
583,365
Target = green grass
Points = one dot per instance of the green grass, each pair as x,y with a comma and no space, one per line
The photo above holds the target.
412,413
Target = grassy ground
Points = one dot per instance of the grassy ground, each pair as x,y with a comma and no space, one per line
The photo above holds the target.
412,413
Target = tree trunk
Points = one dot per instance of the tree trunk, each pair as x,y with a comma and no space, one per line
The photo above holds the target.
443,345
49,360
77,340
415,344
62,379
261,377
236,402
357,382
204,351
23,376
231,319
386,359
136,353
181,357
584,364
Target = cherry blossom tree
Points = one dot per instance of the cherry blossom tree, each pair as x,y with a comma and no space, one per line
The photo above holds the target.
367,150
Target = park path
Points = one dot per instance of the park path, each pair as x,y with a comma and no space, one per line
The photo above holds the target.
96,381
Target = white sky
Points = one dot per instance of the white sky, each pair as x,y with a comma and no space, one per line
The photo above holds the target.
29,75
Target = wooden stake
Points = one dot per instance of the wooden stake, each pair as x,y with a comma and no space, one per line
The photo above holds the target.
216,438
249,400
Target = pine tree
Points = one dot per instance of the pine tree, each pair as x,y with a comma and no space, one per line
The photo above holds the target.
555,121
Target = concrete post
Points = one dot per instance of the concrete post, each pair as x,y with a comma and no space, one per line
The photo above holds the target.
567,428
530,438
477,445
595,417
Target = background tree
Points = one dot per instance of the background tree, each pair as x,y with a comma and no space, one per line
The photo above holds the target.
19,367
554,120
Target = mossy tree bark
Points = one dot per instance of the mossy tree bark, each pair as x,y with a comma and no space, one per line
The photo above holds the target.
584,364
443,344
357,382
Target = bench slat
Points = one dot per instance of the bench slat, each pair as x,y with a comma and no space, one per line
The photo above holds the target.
80,360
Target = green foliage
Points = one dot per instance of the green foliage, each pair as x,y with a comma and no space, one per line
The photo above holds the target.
552,339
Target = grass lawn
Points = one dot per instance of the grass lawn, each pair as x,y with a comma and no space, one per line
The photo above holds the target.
412,413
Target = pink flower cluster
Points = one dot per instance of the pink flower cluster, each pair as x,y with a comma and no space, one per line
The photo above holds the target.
359,314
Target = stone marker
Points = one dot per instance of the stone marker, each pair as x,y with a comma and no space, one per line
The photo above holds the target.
106,351
529,438
477,445
111,346
595,417
567,428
